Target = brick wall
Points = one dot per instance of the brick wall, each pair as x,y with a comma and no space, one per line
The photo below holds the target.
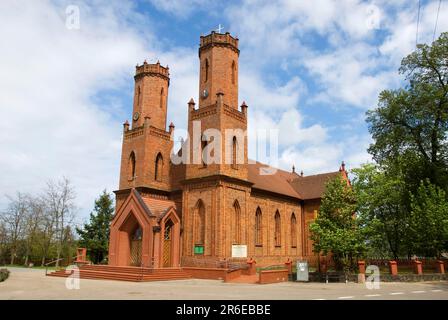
273,276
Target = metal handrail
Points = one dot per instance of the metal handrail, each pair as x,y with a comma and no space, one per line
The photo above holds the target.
47,264
273,265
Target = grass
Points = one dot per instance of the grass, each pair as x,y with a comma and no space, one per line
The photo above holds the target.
25,267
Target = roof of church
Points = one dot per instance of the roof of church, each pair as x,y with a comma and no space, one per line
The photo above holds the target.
312,187
277,182
289,183
158,207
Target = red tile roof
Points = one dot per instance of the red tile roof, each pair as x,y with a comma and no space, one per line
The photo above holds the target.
289,183
277,182
158,207
312,187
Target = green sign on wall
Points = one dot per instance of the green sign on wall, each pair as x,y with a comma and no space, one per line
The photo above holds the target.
198,249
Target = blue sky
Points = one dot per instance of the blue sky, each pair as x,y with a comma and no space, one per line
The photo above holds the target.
308,68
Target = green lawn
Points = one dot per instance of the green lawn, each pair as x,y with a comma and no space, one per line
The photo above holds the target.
25,267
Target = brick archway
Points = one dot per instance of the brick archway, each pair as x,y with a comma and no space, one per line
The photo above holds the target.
170,248
131,216
129,251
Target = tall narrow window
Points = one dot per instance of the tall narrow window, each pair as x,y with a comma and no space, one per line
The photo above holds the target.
199,225
258,228
137,102
206,70
131,166
162,97
158,167
277,235
234,153
204,155
237,223
233,72
293,231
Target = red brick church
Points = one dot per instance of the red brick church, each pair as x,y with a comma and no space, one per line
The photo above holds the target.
169,214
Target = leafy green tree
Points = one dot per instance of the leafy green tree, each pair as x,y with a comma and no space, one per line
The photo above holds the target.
410,124
429,220
382,211
336,229
95,234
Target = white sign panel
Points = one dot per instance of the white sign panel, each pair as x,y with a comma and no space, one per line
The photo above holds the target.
239,251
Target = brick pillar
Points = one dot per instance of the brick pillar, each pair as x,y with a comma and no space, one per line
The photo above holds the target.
361,271
393,268
252,269
362,266
418,267
440,267
81,255
288,265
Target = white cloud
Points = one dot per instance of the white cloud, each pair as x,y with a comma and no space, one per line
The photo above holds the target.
179,8
50,75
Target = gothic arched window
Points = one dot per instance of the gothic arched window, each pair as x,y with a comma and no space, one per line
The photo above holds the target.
234,152
293,230
233,72
204,155
199,223
138,96
237,223
277,232
258,228
206,70
158,167
162,98
131,166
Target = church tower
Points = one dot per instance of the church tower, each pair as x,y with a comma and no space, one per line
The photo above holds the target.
150,95
218,109
145,158
218,55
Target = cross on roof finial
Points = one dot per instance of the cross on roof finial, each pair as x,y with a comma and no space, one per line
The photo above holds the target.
220,27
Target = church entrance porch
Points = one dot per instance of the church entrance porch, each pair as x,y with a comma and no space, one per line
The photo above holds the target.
145,232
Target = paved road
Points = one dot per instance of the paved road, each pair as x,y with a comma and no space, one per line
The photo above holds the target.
33,284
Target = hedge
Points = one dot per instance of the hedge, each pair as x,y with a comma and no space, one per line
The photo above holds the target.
4,274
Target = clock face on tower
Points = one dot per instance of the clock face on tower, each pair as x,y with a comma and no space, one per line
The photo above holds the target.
204,93
136,116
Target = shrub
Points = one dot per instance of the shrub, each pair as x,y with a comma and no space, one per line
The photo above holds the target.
4,274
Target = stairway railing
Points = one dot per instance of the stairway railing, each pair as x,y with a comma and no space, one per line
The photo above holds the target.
51,262
54,261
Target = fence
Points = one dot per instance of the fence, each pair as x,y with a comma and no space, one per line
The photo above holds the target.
406,265
207,262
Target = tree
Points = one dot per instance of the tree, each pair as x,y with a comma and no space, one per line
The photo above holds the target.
3,241
32,223
382,210
14,222
59,197
411,123
429,220
95,234
336,229
46,233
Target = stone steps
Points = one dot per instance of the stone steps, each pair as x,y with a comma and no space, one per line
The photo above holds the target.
125,273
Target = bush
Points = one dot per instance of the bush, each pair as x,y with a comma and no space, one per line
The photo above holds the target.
4,274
